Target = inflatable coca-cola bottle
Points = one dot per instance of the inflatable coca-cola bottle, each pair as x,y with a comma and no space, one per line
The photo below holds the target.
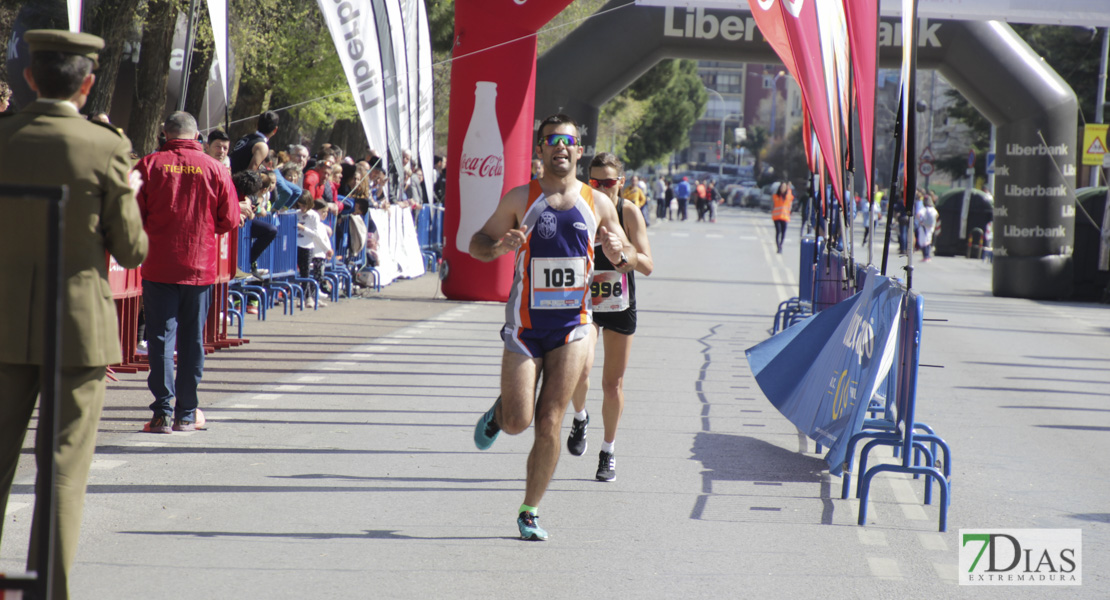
481,167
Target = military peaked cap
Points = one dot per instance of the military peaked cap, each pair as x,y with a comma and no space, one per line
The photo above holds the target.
68,42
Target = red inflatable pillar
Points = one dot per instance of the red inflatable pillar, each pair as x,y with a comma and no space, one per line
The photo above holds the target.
489,141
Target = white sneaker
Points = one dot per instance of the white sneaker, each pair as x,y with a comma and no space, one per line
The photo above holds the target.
140,349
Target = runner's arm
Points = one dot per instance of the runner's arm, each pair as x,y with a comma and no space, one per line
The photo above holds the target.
637,235
499,235
611,236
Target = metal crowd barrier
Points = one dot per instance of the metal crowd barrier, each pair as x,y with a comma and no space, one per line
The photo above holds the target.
127,290
221,312
902,431
38,585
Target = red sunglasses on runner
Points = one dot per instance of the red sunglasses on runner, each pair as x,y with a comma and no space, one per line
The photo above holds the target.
604,183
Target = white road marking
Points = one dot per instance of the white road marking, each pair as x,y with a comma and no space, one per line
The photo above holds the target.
14,506
265,397
884,568
933,541
680,234
947,572
871,538
248,406
288,388
311,378
907,499
101,464
714,235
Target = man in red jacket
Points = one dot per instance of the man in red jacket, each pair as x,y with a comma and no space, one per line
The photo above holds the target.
186,201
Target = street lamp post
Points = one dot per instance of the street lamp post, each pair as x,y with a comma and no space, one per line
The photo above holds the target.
721,161
721,148
774,99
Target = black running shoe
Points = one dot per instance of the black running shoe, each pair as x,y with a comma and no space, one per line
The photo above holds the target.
576,441
606,466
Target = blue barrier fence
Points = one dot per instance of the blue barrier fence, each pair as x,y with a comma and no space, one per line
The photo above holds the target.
822,285
282,281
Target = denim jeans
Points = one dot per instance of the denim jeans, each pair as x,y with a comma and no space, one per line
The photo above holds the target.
175,317
263,234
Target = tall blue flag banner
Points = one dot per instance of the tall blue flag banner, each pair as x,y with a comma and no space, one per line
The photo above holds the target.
822,372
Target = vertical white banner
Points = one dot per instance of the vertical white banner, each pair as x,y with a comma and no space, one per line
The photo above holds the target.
217,13
74,15
355,33
397,37
426,101
412,46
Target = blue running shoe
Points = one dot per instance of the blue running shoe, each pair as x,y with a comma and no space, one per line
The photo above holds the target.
529,528
485,432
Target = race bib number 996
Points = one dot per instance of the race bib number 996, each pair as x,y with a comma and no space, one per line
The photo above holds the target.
558,282
609,291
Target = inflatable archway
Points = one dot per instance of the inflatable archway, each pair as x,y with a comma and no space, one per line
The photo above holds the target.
997,72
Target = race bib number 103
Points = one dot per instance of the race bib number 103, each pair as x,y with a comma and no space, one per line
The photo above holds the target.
558,282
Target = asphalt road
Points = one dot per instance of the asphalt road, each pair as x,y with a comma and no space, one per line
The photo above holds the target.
339,462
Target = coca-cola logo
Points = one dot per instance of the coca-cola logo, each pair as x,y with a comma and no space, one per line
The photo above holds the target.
483,166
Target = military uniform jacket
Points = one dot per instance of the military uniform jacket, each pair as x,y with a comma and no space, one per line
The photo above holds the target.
51,144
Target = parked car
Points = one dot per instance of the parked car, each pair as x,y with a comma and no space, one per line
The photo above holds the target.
766,193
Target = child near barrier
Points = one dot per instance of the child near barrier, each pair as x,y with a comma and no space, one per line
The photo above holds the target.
313,239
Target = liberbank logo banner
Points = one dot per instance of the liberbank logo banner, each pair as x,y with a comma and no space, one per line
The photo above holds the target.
1021,557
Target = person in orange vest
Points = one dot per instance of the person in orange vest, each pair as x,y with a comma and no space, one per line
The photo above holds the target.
780,212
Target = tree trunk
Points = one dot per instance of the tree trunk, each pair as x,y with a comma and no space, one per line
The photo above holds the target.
152,75
248,103
111,20
203,57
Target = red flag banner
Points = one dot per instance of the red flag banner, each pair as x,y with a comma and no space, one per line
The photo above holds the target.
802,30
790,26
834,55
863,38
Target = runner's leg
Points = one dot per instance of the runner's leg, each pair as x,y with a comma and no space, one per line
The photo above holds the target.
518,391
562,370
618,349
579,397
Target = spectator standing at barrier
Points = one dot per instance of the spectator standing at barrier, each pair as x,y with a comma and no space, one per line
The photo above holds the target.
613,295
927,218
659,187
251,150
186,202
700,200
49,143
250,187
781,203
551,224
902,219
634,193
317,180
217,147
682,194
313,240
439,186
712,199
298,155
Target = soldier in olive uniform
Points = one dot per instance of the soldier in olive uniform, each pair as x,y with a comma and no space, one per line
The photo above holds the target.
49,143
